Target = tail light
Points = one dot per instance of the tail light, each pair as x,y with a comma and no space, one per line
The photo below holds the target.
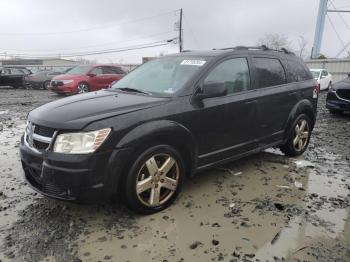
317,90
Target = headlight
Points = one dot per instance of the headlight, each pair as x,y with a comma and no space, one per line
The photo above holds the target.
67,81
80,143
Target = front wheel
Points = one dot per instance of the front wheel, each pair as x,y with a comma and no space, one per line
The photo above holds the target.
299,137
154,180
83,88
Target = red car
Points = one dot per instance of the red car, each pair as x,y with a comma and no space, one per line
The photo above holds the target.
86,78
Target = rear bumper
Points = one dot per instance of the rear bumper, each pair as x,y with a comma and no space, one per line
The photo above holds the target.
88,177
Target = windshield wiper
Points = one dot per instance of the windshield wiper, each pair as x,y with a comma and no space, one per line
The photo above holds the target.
133,90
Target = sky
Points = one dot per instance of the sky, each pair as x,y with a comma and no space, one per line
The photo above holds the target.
47,27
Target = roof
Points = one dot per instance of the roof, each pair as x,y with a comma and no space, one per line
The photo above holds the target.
238,49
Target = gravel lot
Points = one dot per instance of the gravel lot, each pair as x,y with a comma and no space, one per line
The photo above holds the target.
264,207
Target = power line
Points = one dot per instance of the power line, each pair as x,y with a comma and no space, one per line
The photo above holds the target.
342,18
98,52
335,30
89,29
65,49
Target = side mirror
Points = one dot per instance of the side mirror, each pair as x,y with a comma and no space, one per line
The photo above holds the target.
211,90
91,74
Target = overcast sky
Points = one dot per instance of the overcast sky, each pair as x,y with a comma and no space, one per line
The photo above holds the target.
41,27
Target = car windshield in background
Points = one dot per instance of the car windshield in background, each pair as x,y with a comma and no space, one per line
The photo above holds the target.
162,76
78,70
315,74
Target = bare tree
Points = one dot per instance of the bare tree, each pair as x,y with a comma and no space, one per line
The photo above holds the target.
302,47
275,41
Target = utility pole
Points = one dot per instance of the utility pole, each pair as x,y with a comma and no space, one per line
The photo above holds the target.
180,33
321,18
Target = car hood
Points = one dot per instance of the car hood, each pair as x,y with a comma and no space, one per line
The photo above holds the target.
344,84
77,111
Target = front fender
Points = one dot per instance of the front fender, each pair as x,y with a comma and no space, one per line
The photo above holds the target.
163,131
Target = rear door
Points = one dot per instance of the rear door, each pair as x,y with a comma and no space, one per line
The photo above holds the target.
227,125
276,98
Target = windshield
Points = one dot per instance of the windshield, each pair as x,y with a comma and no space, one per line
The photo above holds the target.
315,74
79,70
163,76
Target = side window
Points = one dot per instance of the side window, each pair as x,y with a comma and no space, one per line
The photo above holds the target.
234,73
108,70
269,71
324,73
97,71
297,71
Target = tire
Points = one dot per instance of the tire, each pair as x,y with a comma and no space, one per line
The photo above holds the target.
154,196
335,111
46,85
298,137
83,87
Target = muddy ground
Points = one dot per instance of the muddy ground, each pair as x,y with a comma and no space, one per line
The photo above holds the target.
262,208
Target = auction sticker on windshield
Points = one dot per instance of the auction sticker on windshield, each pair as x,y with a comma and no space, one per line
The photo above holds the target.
193,62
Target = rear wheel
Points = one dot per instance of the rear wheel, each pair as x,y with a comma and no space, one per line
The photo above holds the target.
46,84
83,88
154,180
299,137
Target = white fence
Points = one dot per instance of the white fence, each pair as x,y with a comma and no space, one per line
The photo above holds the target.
339,68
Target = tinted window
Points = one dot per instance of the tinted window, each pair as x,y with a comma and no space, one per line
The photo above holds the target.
96,71
299,72
234,73
269,71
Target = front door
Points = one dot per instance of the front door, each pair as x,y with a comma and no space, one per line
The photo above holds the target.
227,125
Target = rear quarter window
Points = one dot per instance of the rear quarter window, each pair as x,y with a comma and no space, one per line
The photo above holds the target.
269,72
297,71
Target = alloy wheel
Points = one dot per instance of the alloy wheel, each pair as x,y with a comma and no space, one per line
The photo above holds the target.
157,180
301,135
83,88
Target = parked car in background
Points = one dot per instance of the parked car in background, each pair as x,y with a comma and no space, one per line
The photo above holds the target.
40,79
86,78
323,77
166,120
338,97
13,76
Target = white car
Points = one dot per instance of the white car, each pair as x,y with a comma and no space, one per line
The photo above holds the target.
323,77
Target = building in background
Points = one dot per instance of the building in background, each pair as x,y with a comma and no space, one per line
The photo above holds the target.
56,64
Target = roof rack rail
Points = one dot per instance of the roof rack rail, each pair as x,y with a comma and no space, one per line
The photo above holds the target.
262,47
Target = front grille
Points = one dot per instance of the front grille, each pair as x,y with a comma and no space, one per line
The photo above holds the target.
44,131
38,137
53,189
56,83
344,93
40,145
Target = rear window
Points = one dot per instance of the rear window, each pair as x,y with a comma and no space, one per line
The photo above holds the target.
269,72
297,71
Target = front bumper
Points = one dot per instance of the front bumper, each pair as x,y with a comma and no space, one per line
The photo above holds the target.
87,177
67,89
334,103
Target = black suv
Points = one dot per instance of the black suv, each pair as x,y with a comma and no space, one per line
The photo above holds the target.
13,76
166,120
